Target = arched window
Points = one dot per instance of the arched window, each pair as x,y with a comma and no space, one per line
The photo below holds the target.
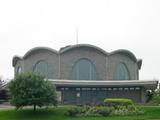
19,70
84,69
121,72
42,69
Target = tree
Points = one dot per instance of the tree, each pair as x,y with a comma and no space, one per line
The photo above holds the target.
156,97
1,81
31,89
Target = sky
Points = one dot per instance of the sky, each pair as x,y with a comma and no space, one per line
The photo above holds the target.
109,24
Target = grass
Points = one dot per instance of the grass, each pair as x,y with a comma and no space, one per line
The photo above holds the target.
150,113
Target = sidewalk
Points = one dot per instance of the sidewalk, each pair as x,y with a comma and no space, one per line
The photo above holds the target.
6,106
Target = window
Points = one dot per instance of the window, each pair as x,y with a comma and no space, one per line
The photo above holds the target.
86,88
78,89
126,88
137,88
41,68
84,70
120,88
19,70
121,72
131,88
62,88
93,88
104,88
109,88
66,88
114,89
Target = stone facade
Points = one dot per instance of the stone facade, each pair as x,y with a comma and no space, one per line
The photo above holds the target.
61,63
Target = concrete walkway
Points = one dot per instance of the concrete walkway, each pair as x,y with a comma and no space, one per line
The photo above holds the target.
6,106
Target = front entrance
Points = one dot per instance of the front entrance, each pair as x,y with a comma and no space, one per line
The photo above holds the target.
91,96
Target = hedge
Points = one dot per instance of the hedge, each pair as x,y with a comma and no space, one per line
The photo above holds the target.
89,111
118,102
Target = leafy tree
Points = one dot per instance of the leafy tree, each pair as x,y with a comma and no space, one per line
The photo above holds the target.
1,81
156,97
31,89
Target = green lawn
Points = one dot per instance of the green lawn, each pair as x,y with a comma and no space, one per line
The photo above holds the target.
150,113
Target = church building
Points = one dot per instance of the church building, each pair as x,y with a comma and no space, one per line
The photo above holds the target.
86,74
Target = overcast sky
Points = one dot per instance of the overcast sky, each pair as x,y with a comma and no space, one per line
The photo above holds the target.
109,24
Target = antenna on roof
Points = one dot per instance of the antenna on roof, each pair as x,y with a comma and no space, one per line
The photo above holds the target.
77,35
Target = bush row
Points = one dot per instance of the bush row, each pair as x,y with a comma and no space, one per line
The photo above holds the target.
113,106
89,111
103,111
118,102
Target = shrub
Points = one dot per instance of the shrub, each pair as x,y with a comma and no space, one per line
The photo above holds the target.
127,110
92,112
149,96
76,111
104,111
118,102
89,111
156,97
121,112
72,111
123,106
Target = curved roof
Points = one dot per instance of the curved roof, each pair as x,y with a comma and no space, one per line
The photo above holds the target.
125,52
15,59
71,47
121,51
39,48
65,49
